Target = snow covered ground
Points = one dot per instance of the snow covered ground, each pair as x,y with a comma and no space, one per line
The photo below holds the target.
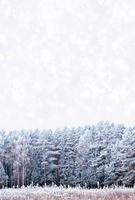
59,193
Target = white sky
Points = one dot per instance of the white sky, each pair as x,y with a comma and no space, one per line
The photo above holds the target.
66,62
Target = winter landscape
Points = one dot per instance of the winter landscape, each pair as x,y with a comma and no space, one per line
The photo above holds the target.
91,162
67,100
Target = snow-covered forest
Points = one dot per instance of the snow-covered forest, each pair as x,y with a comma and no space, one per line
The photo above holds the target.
102,154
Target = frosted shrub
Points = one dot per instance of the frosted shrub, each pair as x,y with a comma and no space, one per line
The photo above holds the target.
61,193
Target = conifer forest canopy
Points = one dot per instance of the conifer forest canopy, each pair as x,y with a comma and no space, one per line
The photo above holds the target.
102,153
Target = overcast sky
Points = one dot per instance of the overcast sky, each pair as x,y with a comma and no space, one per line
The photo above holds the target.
66,62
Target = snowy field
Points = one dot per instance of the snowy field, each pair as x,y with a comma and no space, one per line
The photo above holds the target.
58,193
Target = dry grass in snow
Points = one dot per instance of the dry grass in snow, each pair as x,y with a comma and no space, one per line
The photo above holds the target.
58,193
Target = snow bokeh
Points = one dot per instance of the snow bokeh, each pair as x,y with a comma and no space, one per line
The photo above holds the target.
66,62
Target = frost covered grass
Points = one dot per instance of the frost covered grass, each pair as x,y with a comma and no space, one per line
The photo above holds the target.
60,193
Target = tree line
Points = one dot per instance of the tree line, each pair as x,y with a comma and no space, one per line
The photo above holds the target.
102,153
